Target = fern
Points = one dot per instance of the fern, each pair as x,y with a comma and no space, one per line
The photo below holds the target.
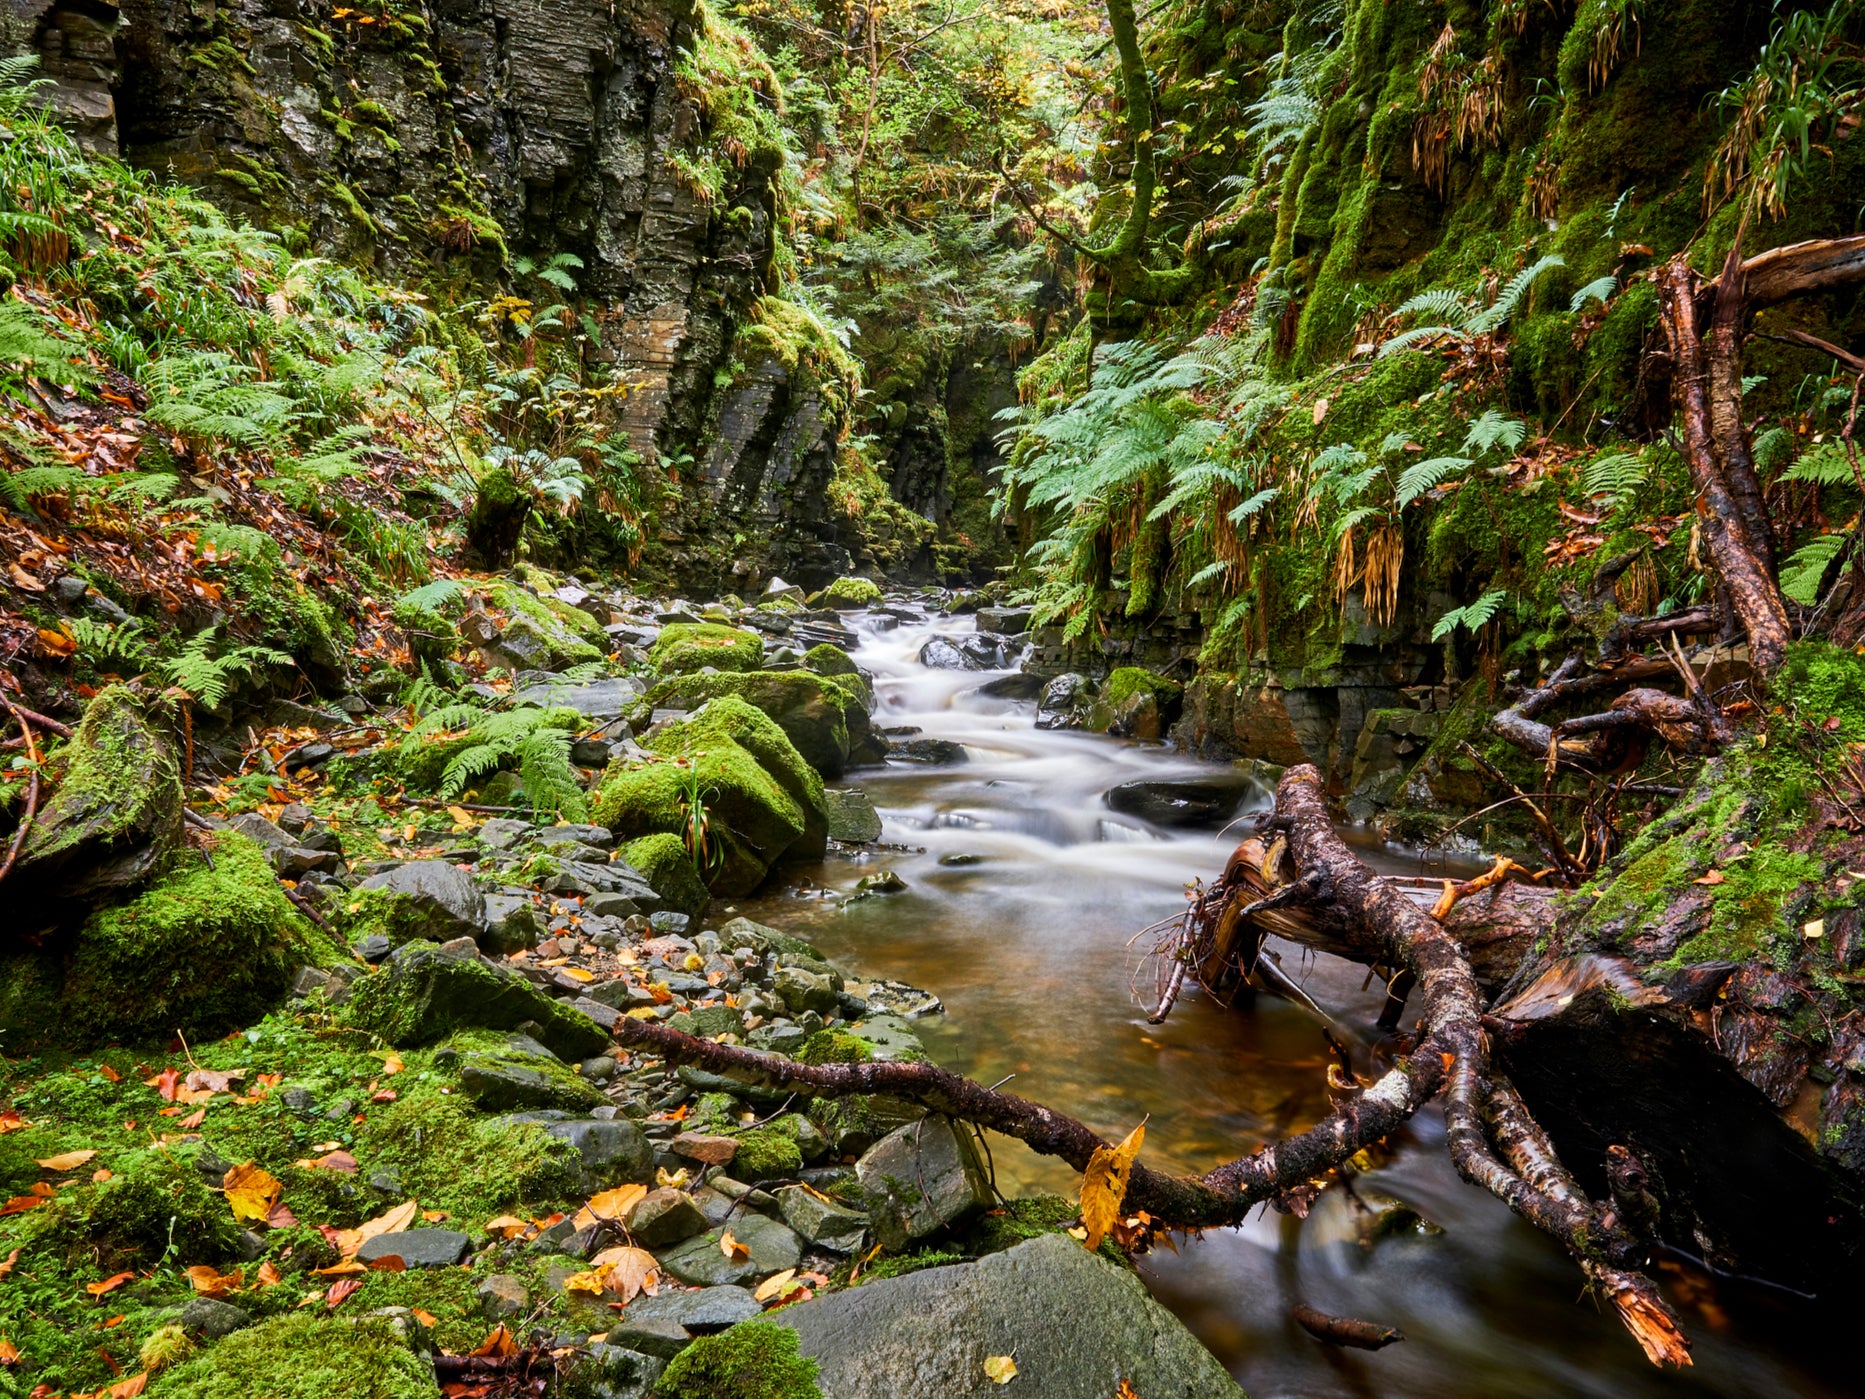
1461,317
1472,615
429,597
1824,465
549,778
106,644
506,738
1804,571
1600,289
1495,429
1617,476
1498,314
1424,476
26,344
210,678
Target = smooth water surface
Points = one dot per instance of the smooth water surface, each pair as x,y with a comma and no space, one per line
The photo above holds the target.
1030,944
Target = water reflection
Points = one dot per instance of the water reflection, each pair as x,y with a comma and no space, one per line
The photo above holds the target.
1024,893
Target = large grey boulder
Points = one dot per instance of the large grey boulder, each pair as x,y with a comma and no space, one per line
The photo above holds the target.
920,1178
852,817
593,699
432,900
1076,1324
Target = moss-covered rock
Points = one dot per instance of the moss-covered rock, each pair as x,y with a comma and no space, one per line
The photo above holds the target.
849,593
543,633
425,995
811,710
683,647
1136,703
668,866
826,658
303,1356
753,1360
762,801
205,949
116,813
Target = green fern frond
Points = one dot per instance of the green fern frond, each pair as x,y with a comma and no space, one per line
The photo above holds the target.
1472,615
1805,569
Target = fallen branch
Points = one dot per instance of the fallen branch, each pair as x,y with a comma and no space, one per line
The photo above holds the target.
32,785
1345,1330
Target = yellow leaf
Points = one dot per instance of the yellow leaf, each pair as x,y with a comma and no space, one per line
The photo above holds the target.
613,1204
999,1369
70,1161
211,1282
673,1180
591,1282
427,1319
251,1192
1104,1186
393,1222
627,1272
1815,929
731,1248
461,816
507,1226
774,1285
9,1353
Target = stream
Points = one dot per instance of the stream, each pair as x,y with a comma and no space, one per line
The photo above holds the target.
1024,895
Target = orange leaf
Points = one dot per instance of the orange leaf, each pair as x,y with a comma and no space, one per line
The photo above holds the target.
165,1083
393,1222
498,1343
348,1268
339,1291
6,1264
427,1319
731,1248
110,1074
100,1175
9,1355
70,1161
56,643
388,1263
110,1284
251,1192
210,1282
19,1204
269,1274
1104,1185
129,1388
11,1121
193,1119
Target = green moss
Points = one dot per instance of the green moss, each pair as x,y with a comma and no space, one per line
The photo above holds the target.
689,646
668,867
902,1264
304,1357
849,593
812,710
205,949
835,1047
1128,682
1018,1220
753,1360
765,1153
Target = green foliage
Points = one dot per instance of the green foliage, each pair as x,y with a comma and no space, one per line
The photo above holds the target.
1463,316
209,669
472,743
1472,615
752,1360
1803,571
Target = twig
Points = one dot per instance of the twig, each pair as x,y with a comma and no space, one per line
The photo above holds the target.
32,786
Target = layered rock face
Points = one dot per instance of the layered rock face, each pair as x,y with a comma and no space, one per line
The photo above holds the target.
436,139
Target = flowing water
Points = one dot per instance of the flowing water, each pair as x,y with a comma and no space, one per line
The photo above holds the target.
1024,895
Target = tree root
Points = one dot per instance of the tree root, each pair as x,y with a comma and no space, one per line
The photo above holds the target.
1493,1140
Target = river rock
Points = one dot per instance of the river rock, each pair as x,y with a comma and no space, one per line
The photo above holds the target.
593,699
664,1216
802,990
1206,802
920,1178
512,924
502,1296
418,1248
699,1261
500,1085
928,750
821,1222
1065,702
852,817
709,1309
431,899
612,1151
1010,620
1077,1325
423,996
212,1318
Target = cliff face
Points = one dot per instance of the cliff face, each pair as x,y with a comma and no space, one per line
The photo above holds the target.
436,138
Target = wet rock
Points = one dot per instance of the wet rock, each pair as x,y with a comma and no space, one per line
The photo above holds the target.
497,1085
772,1248
802,990
665,1216
422,996
881,882
820,1222
931,751
512,924
593,699
502,1296
974,652
418,1248
709,1309
1008,620
1073,1320
852,817
612,1151
920,1178
1209,802
428,899
1065,702
1021,686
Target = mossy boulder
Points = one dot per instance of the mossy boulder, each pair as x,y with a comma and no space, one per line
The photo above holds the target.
1136,703
826,658
752,1360
811,710
684,647
424,995
668,867
762,801
116,813
205,949
847,593
300,1356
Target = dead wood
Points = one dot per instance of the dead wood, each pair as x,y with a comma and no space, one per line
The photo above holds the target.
1345,1330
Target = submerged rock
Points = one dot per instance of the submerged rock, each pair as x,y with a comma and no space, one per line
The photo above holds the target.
1205,802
